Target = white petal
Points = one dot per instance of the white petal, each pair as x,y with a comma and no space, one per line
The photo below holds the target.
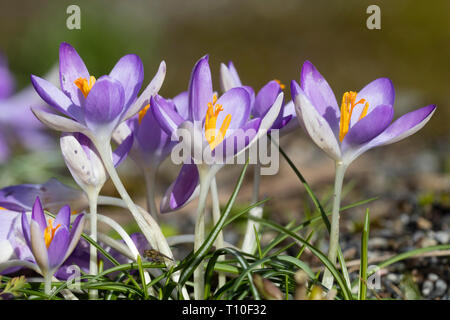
6,250
151,90
226,79
317,127
38,246
59,123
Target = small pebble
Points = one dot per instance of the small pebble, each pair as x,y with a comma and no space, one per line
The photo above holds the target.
442,237
427,287
433,277
423,223
378,243
440,287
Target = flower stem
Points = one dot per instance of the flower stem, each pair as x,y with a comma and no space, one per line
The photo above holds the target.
93,266
328,279
216,216
249,243
48,284
199,279
150,176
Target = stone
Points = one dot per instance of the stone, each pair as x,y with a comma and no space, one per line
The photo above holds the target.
427,287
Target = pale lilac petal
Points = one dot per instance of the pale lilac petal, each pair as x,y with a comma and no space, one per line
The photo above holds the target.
104,103
368,127
71,67
265,98
182,104
181,190
317,127
26,228
75,233
58,123
56,98
63,217
165,115
234,74
38,214
58,247
151,90
38,247
129,71
200,90
378,92
121,152
235,102
319,92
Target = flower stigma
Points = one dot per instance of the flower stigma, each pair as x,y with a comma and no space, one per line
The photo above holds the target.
347,106
210,124
49,233
84,85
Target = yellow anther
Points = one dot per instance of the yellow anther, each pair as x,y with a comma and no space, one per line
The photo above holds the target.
143,112
282,86
74,212
84,85
211,135
1,208
49,232
347,106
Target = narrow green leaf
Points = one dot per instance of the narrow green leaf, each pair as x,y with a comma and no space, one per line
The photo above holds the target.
363,265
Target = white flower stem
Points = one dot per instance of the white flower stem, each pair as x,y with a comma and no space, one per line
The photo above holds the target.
216,217
199,238
93,266
328,279
249,242
150,177
48,284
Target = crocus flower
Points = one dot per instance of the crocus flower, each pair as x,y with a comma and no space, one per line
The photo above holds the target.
361,123
84,162
199,120
94,107
264,99
28,131
51,241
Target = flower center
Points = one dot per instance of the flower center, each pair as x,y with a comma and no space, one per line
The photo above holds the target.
84,85
211,134
143,112
347,106
49,233
282,86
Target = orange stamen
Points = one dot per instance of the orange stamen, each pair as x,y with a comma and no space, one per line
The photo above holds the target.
212,113
85,86
143,112
282,86
347,106
49,233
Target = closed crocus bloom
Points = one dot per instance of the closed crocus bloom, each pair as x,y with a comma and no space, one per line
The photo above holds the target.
362,122
94,107
50,240
84,162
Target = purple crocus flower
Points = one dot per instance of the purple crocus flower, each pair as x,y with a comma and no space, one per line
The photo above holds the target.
94,107
264,99
51,241
196,124
361,123
28,131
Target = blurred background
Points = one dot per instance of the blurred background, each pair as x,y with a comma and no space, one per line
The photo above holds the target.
267,40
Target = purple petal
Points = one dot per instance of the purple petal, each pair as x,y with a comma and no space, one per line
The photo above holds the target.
234,74
182,104
58,247
6,79
57,122
265,98
38,247
56,98
181,190
368,127
165,115
319,93
200,90
129,71
38,214
63,217
26,229
378,92
75,233
235,102
122,150
71,67
104,103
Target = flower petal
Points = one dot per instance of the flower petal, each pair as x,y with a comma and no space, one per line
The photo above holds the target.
378,92
75,233
165,115
38,214
151,90
319,92
38,247
265,98
200,90
56,98
63,216
182,104
26,228
129,71
121,152
181,190
235,102
71,67
59,123
317,126
368,127
104,103
58,247
229,77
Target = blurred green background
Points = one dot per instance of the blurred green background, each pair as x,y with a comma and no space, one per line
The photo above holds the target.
265,40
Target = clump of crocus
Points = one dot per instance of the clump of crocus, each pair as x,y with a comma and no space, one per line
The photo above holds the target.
51,241
362,122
